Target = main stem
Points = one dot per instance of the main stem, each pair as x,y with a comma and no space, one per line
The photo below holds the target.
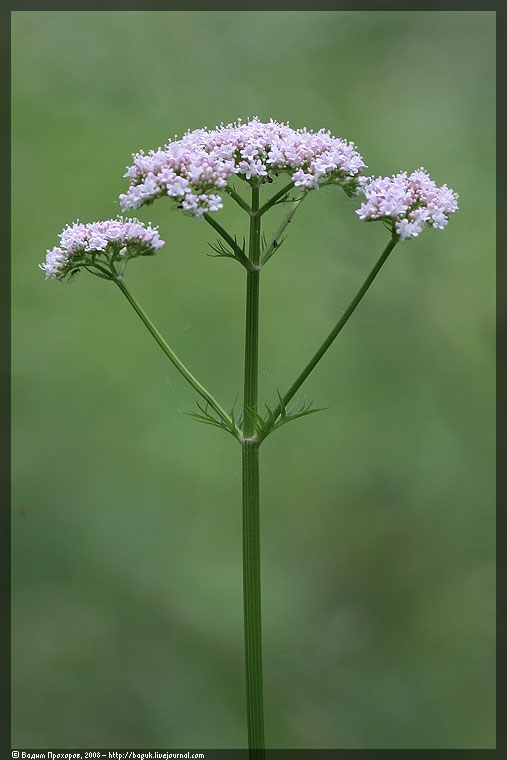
250,477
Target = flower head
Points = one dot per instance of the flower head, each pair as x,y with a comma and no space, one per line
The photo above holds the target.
100,244
194,170
408,202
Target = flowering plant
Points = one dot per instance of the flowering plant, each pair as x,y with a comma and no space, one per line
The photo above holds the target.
197,172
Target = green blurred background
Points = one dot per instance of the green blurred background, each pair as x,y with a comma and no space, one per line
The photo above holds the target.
377,515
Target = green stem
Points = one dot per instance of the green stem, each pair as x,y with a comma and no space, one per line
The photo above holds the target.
252,600
250,477
252,324
337,329
277,239
274,199
196,385
237,197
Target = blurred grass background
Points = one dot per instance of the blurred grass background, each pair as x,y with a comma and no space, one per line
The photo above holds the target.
377,515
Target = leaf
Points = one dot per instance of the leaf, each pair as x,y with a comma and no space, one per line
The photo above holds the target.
207,418
278,417
220,251
234,251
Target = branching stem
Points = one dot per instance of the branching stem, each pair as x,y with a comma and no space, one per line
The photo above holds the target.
274,199
237,197
250,437
277,239
196,385
298,382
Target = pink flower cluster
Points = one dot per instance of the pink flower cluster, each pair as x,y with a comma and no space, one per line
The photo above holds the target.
410,201
196,168
113,239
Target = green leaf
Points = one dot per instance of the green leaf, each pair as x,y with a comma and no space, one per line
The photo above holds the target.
208,418
275,419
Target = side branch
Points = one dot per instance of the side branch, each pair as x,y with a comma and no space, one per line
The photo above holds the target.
196,385
275,198
335,331
237,197
278,239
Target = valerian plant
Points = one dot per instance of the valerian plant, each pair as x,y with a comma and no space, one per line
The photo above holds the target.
197,173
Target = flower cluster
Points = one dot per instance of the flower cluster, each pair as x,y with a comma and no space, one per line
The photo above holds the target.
196,168
100,243
408,201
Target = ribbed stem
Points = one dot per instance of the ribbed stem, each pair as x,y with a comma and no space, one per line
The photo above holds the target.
250,477
252,601
252,324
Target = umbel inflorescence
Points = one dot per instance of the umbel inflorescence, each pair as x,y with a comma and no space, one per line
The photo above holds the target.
407,202
195,170
99,245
